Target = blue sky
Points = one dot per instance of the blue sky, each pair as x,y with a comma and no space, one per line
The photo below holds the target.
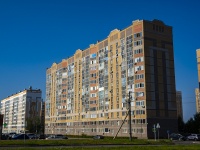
36,33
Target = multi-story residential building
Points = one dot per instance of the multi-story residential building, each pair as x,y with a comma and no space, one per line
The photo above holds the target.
19,107
197,100
179,104
88,92
197,93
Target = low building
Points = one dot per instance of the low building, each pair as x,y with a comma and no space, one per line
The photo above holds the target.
19,108
179,104
197,89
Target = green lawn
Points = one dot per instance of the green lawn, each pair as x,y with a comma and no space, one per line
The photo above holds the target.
172,147
72,142
90,144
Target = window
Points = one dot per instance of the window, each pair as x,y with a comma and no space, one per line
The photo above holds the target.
139,94
93,68
93,62
140,103
139,85
137,43
139,59
124,130
137,35
137,68
106,130
139,76
140,112
92,81
93,95
138,51
93,55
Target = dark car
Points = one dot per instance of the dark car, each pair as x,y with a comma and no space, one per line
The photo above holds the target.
4,136
98,137
176,136
31,135
42,136
11,134
20,137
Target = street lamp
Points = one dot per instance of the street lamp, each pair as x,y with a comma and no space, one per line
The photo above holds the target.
129,113
158,127
140,108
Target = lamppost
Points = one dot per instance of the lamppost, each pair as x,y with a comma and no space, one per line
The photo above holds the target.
129,113
141,121
158,127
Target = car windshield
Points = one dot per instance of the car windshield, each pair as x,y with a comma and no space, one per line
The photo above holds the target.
15,135
59,135
30,134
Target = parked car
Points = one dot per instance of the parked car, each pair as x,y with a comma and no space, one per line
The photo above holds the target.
98,137
11,134
31,135
177,136
42,136
20,137
194,137
57,136
4,136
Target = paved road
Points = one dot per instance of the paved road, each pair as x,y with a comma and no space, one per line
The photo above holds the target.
186,142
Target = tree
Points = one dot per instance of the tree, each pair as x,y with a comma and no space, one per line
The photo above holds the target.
33,124
197,122
181,124
193,124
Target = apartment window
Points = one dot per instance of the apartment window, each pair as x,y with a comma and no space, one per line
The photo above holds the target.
112,123
93,68
93,62
124,130
139,76
137,43
93,95
140,103
139,85
139,94
117,114
118,108
112,115
140,112
93,75
118,123
92,81
137,68
93,55
137,35
139,59
124,113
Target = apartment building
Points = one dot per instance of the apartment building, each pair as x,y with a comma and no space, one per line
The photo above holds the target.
19,107
197,93
88,92
179,104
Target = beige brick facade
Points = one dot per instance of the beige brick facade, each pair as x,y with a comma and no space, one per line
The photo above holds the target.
88,92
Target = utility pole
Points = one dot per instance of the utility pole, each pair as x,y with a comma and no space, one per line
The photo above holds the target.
129,113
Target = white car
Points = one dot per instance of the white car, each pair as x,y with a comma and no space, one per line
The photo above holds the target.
57,136
193,137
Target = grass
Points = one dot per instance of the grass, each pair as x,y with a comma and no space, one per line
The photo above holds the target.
174,147
81,142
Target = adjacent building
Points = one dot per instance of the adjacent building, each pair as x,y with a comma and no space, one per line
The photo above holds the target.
197,93
20,107
179,104
88,92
